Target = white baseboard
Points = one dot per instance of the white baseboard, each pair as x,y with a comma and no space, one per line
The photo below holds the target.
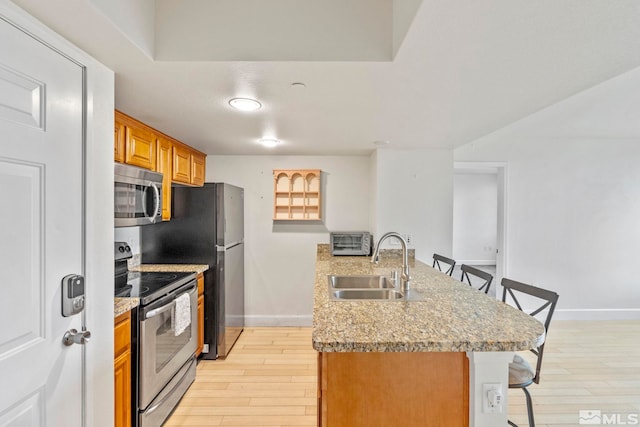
476,262
278,320
597,314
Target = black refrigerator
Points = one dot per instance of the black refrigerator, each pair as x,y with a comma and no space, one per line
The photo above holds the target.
206,227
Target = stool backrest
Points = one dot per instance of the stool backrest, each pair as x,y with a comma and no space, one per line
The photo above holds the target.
515,291
467,271
437,259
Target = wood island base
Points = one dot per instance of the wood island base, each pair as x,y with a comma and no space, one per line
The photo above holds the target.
387,389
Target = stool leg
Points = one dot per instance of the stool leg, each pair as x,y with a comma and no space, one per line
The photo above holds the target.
532,423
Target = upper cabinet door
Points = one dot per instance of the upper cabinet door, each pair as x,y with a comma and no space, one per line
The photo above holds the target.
181,164
164,167
140,148
118,142
197,169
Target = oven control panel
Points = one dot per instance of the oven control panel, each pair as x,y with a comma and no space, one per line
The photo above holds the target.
122,251
72,294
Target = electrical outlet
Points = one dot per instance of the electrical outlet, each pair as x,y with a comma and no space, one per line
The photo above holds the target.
492,398
409,239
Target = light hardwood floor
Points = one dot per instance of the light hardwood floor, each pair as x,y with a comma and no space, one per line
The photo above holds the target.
269,379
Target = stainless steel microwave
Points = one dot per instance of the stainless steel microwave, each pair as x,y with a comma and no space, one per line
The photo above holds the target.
351,243
137,196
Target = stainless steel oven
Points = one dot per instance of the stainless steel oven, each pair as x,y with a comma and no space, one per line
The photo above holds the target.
164,337
165,355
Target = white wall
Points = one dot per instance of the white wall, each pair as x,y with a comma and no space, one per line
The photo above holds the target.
280,257
99,242
414,195
573,199
475,218
373,193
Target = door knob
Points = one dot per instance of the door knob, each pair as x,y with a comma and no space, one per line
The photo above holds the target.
72,336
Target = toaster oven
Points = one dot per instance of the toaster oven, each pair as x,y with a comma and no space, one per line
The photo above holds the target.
351,243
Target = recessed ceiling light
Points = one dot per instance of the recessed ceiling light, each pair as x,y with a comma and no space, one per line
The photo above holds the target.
269,142
298,85
381,143
245,104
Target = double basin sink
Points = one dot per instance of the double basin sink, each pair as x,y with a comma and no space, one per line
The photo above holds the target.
363,288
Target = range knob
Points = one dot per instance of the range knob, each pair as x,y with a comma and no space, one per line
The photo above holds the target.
121,249
127,248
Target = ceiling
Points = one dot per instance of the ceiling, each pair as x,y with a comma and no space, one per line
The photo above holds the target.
411,73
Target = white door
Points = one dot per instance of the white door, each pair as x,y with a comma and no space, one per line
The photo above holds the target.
41,231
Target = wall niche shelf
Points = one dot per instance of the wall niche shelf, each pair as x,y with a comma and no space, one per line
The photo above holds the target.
297,195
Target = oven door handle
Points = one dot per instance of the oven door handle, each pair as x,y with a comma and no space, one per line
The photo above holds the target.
159,310
156,311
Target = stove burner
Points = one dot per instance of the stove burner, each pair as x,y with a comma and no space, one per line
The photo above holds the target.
165,276
147,286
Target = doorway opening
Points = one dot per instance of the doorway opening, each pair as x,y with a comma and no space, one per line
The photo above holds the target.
479,220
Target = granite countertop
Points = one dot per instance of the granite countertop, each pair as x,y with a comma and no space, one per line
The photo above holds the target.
450,315
122,305
184,268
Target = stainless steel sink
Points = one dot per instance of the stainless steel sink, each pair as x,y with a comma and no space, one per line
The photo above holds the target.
362,288
360,282
367,294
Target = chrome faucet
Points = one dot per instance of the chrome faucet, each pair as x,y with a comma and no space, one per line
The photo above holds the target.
405,276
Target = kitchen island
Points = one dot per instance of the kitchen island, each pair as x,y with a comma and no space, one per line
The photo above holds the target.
417,362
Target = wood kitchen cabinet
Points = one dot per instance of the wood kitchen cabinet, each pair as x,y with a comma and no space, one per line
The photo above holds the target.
164,166
200,279
197,168
140,145
297,195
122,369
181,164
118,144
419,389
135,142
188,165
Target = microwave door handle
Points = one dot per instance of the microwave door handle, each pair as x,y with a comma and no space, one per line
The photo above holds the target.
159,310
144,203
157,201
